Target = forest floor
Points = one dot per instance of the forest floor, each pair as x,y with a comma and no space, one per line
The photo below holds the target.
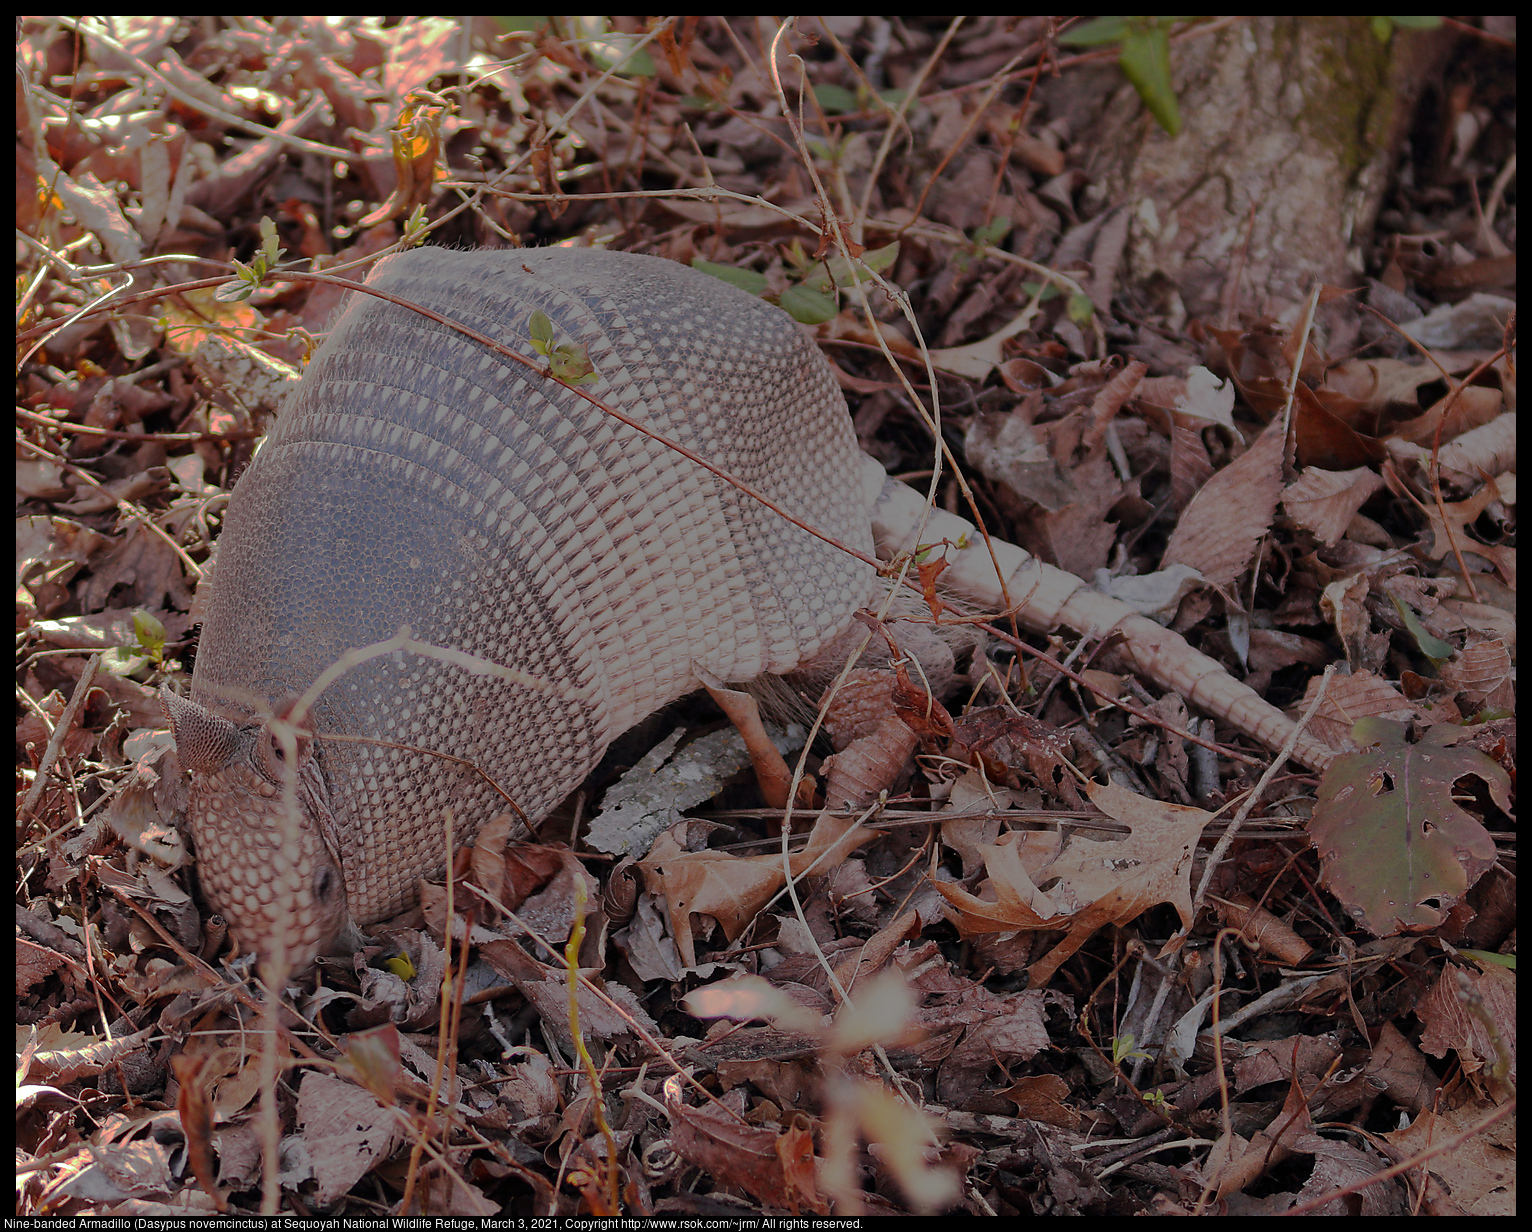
1096,952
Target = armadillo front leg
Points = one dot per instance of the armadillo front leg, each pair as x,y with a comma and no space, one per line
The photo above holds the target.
1043,599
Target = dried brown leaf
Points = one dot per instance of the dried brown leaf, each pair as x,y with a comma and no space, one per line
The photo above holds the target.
1218,532
1324,502
1095,883
1482,1036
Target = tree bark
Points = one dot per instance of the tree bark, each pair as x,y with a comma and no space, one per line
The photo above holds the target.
1291,127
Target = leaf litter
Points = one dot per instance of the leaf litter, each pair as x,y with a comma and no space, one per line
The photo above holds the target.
990,988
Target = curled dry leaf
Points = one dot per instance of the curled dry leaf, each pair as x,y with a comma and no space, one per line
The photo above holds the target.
771,770
1261,930
718,1141
1012,747
1095,883
871,764
1482,671
731,889
1324,502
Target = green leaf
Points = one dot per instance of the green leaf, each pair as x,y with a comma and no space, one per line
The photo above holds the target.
1508,961
796,257
821,279
570,363
401,966
601,46
838,100
271,249
1123,1048
616,49
540,330
879,260
525,25
123,661
992,232
150,634
807,306
1433,648
875,259
1384,27
1080,309
835,100
1095,33
744,279
1145,61
416,227
828,151
249,277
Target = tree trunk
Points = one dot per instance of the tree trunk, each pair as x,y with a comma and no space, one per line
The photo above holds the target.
1291,127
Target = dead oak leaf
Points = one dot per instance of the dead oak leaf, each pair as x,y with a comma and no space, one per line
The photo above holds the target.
732,889
1449,529
1090,883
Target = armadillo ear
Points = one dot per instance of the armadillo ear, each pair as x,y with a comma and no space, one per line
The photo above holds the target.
271,752
205,743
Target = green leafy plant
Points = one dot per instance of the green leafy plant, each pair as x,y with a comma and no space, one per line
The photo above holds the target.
1143,52
567,361
1124,1048
744,279
1431,646
986,236
249,277
811,300
603,47
148,646
1508,961
150,634
1383,27
837,100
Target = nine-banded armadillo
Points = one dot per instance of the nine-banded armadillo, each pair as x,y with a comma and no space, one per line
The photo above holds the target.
418,479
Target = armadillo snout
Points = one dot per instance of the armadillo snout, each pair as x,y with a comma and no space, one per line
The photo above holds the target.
264,872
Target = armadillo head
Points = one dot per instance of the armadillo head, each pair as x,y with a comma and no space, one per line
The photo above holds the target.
263,833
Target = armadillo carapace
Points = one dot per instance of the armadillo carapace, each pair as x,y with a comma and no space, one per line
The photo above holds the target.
417,479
